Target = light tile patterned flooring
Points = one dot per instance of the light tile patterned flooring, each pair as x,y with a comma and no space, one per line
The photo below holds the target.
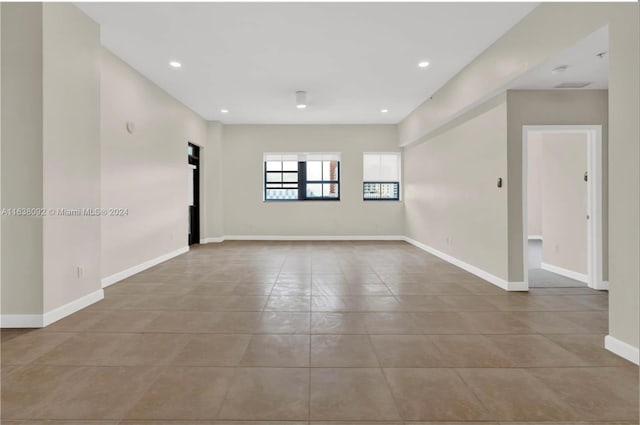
319,332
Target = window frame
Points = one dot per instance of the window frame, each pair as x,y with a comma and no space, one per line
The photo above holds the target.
398,182
364,183
302,181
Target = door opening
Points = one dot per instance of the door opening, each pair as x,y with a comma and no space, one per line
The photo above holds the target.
193,152
566,240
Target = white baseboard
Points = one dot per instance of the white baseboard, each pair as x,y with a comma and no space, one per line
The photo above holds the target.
535,237
211,240
117,277
42,320
622,349
509,286
515,286
21,321
565,272
71,307
314,238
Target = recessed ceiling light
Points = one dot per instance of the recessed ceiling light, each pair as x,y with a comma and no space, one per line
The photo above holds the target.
384,111
175,64
224,111
423,64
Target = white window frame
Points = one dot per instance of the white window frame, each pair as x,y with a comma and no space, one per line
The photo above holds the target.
398,154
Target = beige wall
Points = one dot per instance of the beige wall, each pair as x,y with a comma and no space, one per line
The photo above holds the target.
452,200
624,177
534,184
51,151
0,159
21,156
522,49
245,212
551,107
564,201
146,171
211,163
71,152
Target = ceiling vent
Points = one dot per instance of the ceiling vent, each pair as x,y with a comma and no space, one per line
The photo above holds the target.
572,85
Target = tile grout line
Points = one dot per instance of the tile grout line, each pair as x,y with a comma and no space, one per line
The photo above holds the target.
386,379
470,389
367,257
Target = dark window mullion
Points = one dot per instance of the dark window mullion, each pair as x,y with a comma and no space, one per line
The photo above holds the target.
302,180
378,192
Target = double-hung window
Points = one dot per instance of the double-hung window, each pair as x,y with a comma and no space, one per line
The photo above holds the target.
301,176
381,176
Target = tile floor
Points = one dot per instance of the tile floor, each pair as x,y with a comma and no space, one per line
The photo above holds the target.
318,333
539,278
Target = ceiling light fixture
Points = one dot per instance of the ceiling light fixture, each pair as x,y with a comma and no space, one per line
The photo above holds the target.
384,111
175,64
559,69
423,64
301,99
224,111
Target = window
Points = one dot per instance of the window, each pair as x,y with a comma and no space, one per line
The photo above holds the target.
301,176
381,176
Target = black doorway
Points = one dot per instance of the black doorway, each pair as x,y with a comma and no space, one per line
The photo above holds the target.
194,195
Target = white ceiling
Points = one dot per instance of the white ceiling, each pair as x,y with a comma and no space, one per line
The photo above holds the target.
583,65
353,59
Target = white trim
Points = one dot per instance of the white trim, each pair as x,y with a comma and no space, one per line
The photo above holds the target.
42,320
211,240
595,267
581,277
71,307
21,321
314,238
534,237
509,286
622,349
117,277
594,208
525,204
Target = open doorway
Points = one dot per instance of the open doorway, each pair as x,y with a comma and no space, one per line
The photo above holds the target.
193,153
562,206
